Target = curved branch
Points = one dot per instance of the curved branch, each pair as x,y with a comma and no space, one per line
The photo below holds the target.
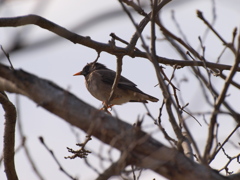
9,136
88,42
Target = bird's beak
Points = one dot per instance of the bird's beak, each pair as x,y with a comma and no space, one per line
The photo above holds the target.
77,74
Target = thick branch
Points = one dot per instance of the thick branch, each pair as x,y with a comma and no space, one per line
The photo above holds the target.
144,151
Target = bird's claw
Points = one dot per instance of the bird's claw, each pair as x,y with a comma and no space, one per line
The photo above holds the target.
106,106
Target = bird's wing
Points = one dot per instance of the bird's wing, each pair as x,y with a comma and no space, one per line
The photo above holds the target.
108,77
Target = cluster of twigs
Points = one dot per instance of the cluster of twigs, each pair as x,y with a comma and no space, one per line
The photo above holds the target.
82,152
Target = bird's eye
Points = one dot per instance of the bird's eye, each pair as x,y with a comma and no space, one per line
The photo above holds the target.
86,70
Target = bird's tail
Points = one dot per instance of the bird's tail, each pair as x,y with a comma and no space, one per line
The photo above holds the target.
153,99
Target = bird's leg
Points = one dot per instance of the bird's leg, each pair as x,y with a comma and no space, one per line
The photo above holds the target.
106,106
110,106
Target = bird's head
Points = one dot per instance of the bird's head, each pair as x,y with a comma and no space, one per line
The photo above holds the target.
90,67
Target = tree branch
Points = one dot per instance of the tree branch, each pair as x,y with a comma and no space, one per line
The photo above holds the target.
145,151
88,42
9,136
219,101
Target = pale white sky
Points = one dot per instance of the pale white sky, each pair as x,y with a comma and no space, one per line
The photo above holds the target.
59,61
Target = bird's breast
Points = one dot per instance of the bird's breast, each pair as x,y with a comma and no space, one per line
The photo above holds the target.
101,90
97,88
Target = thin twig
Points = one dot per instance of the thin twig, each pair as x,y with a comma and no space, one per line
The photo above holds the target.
24,145
8,57
55,159
115,83
230,159
229,45
224,142
82,152
178,27
133,172
159,124
136,7
204,62
142,24
196,71
219,102
114,36
98,56
214,18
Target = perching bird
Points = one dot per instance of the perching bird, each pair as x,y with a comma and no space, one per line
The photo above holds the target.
99,81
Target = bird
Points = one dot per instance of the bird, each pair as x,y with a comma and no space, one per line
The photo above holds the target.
99,80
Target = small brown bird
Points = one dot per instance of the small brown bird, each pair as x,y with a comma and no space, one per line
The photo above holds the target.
99,81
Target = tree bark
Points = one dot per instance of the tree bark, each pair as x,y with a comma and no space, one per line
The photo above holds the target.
9,136
140,148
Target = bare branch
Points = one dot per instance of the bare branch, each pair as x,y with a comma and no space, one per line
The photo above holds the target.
9,136
146,151
135,7
8,58
55,159
229,45
225,141
115,83
82,152
24,144
88,42
219,102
